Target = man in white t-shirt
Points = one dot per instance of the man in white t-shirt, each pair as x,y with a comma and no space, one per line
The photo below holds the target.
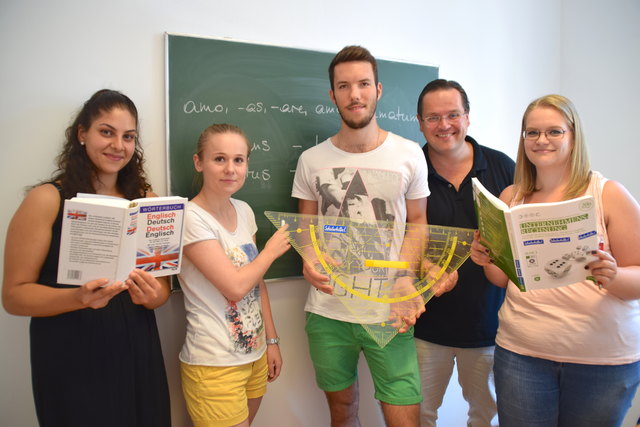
361,172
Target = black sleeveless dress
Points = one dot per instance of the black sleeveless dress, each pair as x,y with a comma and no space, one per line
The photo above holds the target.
99,368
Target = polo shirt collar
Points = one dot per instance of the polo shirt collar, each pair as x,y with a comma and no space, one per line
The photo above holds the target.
479,160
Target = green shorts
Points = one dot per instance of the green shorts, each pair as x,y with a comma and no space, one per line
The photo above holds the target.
335,349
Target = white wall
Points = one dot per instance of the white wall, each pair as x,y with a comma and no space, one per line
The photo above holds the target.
600,69
600,73
505,53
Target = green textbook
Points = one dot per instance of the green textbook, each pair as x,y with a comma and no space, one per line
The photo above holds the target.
538,245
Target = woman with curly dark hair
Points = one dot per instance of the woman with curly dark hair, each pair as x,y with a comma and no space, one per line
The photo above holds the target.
76,171
95,351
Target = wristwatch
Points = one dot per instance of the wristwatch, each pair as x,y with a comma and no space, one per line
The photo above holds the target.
275,340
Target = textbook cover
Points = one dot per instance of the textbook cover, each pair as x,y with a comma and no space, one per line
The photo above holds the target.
538,245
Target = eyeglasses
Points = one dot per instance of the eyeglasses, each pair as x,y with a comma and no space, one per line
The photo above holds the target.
553,134
433,119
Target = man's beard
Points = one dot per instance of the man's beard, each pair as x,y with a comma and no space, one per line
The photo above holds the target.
362,123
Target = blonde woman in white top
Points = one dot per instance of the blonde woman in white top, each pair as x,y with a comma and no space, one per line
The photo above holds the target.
231,346
568,356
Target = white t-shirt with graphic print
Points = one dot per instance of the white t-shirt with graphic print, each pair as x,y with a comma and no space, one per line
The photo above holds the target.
220,332
373,186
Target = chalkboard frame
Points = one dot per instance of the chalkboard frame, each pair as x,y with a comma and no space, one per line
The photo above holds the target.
262,69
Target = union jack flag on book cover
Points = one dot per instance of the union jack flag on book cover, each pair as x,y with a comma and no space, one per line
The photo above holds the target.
76,214
158,258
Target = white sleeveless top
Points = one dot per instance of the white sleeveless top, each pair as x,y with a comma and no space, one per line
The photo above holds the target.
579,323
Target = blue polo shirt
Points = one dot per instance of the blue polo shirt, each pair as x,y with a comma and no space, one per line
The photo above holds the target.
467,316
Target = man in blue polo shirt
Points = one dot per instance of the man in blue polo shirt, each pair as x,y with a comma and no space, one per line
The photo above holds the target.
460,326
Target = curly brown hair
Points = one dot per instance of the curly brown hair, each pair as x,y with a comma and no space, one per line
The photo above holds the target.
76,172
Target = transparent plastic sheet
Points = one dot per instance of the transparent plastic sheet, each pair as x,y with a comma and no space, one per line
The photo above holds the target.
381,270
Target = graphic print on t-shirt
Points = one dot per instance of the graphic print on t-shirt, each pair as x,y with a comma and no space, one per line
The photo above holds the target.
244,318
359,194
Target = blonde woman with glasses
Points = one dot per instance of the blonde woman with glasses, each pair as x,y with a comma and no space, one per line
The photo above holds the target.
569,356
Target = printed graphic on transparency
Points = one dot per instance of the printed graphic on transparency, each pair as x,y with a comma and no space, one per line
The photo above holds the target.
381,271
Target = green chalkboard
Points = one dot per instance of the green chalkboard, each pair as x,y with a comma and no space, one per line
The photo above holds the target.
280,97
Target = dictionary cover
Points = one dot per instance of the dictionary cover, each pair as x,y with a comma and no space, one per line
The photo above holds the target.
107,237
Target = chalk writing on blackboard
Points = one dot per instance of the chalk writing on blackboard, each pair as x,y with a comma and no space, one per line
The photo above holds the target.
198,107
279,96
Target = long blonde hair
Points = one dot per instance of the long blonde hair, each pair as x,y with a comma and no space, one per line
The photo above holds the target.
525,173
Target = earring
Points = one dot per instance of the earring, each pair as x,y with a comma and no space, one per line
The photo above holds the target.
81,142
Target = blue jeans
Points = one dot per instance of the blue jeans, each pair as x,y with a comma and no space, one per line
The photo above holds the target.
533,392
